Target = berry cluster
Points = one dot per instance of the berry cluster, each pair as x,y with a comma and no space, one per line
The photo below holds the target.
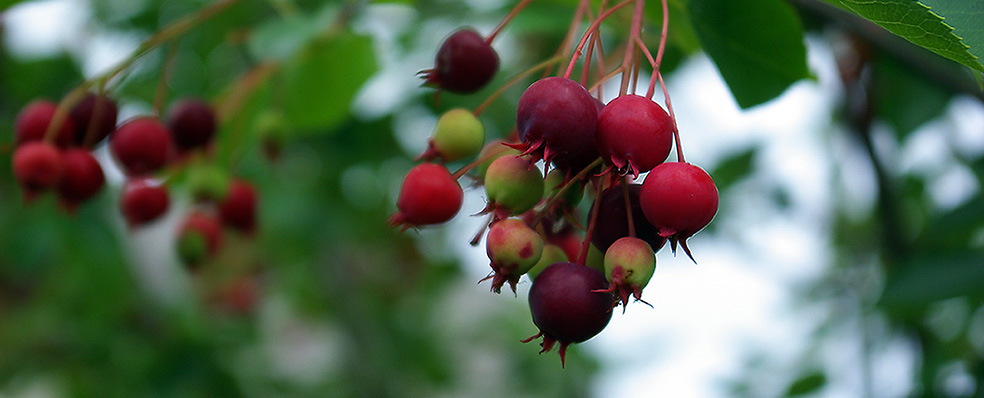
54,153
581,265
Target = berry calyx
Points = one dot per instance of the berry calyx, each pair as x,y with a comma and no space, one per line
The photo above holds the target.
464,64
32,124
141,145
82,178
565,306
238,210
556,120
629,265
143,200
96,113
634,134
513,249
37,167
192,123
429,195
513,186
679,199
458,135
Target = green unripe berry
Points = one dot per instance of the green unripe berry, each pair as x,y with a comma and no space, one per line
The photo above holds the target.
208,183
192,248
513,248
595,258
458,135
493,150
513,185
551,254
629,265
572,196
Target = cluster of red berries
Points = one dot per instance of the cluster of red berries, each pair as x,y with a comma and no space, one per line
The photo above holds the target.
535,225
54,152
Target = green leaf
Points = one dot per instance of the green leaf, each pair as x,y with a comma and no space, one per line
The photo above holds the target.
757,45
733,168
947,27
905,106
324,78
930,277
807,384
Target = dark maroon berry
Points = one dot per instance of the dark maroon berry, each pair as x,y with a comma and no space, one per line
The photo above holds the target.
634,134
556,120
37,167
82,179
465,63
143,201
613,223
141,145
32,124
429,196
564,306
96,113
238,210
199,237
679,199
192,123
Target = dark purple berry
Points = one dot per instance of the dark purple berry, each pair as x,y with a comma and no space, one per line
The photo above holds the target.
192,122
465,63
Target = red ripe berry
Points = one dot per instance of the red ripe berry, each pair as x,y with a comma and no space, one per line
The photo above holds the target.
465,63
192,122
238,210
32,124
199,237
679,199
82,179
634,134
95,112
565,308
556,120
429,196
141,145
37,166
143,201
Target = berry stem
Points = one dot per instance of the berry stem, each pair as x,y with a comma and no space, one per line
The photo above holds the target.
466,168
160,94
628,207
636,28
597,85
505,21
61,112
594,26
582,257
659,52
488,101
96,121
549,202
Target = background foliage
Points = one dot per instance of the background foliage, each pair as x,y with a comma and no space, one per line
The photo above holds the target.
349,307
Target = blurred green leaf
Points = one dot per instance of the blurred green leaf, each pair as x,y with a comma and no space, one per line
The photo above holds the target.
905,106
757,45
950,28
807,384
324,78
925,278
733,168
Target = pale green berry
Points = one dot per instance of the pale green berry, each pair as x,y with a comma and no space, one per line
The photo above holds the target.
458,135
551,254
513,185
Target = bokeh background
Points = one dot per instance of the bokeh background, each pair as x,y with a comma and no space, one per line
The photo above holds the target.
846,259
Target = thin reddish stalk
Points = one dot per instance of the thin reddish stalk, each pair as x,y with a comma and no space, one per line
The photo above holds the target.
660,50
505,21
488,101
628,207
587,33
627,60
160,94
582,257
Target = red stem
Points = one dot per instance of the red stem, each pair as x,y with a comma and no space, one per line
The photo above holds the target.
488,101
505,21
628,207
587,33
583,255
627,60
